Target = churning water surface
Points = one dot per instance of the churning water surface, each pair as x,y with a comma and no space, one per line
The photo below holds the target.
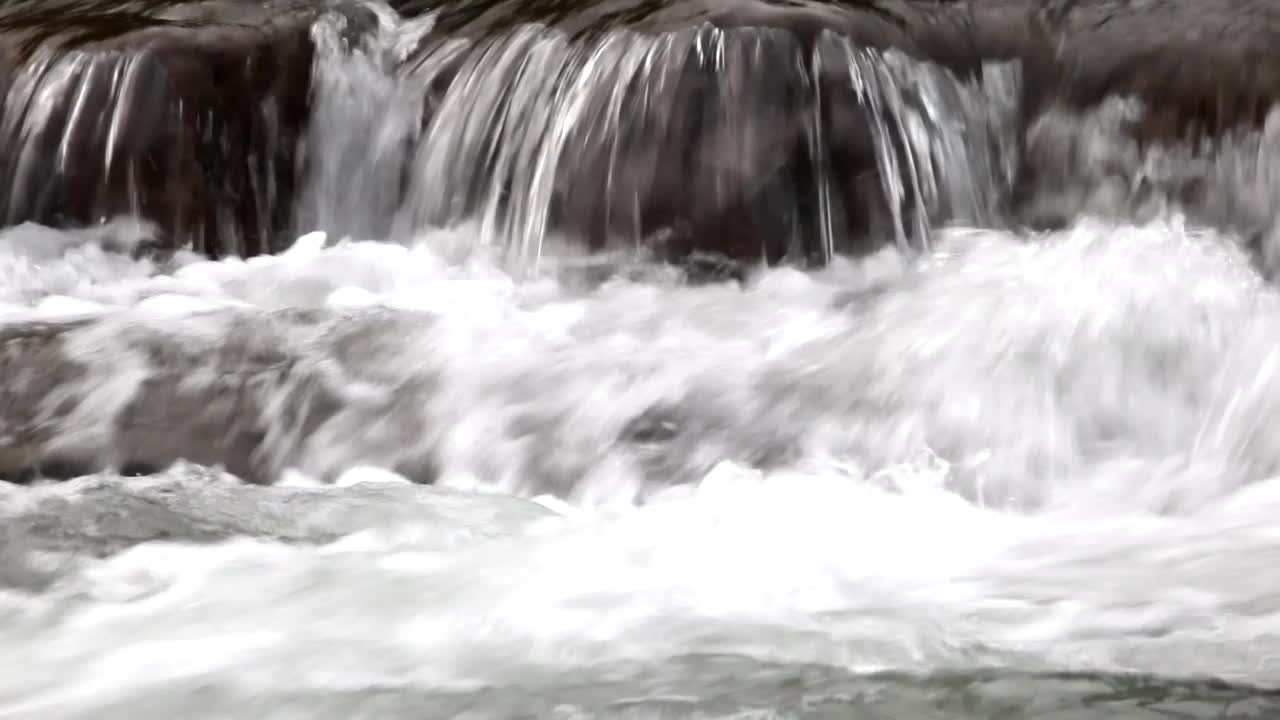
1017,477
471,472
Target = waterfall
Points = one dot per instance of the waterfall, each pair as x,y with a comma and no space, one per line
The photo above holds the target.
958,158
55,108
364,119
775,141
639,358
617,138
189,128
1091,163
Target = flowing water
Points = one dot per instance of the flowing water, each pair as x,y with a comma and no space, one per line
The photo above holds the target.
623,91
448,468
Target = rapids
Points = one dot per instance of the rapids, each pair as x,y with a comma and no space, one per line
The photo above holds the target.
456,451
1015,477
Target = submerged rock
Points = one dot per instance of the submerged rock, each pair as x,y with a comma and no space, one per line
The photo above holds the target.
255,393
104,514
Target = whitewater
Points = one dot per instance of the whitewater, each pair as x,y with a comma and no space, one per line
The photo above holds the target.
440,457
1020,476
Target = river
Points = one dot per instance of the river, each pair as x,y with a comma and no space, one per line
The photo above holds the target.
997,474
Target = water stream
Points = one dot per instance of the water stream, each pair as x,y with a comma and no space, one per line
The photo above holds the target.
435,461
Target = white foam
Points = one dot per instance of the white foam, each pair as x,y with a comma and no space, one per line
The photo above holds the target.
359,475
1048,452
58,306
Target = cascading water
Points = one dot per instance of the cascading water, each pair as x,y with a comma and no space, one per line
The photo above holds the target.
537,131
438,461
96,126
51,109
366,118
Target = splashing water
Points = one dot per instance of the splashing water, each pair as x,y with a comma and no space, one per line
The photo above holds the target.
428,463
1048,456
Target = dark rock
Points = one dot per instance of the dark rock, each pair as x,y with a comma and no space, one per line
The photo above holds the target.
707,269
189,114
252,393
185,114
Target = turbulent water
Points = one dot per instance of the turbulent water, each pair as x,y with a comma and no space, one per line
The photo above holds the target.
442,463
1024,477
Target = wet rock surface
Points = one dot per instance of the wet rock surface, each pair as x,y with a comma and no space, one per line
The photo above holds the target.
183,114
193,114
250,405
47,528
